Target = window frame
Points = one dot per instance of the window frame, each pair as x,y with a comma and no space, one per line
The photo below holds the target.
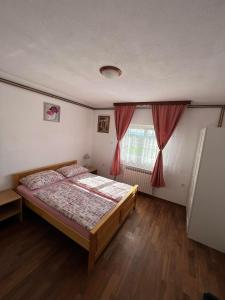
132,165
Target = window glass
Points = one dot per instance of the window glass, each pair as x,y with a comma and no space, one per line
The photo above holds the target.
139,147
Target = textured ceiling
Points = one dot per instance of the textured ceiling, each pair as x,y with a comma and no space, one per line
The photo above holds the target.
167,50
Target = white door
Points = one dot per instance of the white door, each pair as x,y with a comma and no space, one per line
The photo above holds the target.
195,173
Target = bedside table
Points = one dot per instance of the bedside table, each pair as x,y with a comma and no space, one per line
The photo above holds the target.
92,170
10,205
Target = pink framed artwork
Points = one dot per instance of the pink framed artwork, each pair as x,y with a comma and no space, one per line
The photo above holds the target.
51,112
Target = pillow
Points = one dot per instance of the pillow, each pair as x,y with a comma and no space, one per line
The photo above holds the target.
72,170
40,179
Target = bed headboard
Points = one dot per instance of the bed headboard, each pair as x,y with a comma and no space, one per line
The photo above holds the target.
17,176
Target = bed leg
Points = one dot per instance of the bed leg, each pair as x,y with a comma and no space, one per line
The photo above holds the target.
92,252
91,263
135,199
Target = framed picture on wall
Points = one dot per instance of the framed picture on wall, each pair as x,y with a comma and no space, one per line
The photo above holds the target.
103,124
51,112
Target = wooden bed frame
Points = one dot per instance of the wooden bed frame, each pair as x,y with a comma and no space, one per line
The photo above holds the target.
101,234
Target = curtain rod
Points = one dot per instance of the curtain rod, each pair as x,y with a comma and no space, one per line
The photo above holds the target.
219,106
220,122
151,103
189,106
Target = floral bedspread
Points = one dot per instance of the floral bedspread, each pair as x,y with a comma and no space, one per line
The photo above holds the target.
105,187
115,191
82,206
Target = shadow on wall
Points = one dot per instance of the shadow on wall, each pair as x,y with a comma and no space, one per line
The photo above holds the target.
5,182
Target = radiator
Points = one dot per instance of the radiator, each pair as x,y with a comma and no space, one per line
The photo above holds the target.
132,175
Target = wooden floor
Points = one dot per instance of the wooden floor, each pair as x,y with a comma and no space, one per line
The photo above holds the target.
150,258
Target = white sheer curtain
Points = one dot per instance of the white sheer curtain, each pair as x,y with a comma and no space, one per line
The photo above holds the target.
139,147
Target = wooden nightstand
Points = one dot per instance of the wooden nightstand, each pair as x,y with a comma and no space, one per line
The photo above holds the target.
92,170
10,205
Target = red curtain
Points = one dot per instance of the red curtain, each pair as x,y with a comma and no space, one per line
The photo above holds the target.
165,120
123,116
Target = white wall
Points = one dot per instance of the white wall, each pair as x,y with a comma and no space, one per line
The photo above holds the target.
178,155
26,141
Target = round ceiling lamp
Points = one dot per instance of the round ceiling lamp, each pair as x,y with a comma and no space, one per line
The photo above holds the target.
110,71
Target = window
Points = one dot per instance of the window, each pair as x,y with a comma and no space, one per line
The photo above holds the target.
139,147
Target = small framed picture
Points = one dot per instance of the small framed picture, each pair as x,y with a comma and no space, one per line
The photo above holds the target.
103,124
51,112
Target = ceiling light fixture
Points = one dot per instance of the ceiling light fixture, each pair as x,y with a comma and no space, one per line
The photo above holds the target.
110,71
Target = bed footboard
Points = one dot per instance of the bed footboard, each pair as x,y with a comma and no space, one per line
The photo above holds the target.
103,232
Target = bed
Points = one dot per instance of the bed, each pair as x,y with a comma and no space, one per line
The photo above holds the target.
97,238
